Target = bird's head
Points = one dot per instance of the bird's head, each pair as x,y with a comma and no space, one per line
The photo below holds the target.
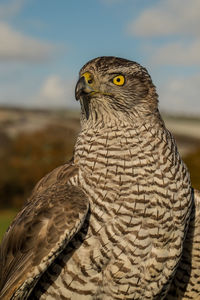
115,86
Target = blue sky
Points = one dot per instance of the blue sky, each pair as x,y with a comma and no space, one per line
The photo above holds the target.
43,44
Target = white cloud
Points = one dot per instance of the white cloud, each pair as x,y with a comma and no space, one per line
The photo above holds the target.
178,53
177,19
11,8
169,17
179,95
17,46
55,92
53,88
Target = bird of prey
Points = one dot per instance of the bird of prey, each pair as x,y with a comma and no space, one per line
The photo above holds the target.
111,223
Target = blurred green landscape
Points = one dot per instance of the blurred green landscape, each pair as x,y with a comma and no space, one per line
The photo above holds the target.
33,142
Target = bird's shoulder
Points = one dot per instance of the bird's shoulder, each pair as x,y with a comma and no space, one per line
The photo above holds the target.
52,215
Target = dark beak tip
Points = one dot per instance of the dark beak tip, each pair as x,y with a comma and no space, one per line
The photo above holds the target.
79,88
77,96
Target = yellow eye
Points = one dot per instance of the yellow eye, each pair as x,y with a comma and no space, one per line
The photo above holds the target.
119,80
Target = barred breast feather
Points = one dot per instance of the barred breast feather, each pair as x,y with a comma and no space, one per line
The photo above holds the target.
186,282
112,223
136,184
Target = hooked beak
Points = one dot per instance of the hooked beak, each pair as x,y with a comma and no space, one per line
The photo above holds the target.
82,89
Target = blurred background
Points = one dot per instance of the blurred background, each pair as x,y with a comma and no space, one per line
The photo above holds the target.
43,44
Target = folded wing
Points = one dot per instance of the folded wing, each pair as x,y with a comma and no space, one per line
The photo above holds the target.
186,283
53,214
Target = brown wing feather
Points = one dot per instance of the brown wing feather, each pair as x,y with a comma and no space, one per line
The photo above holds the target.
186,283
51,217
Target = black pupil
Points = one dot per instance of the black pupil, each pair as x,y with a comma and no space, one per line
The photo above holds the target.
90,81
118,79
